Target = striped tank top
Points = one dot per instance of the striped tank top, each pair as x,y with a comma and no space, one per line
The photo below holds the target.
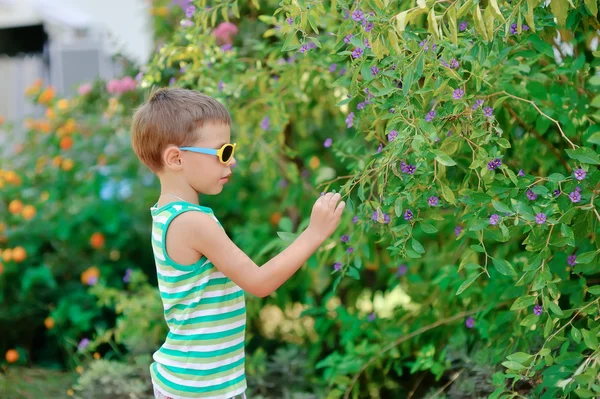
203,355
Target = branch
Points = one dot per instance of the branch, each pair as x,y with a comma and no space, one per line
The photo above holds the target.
543,140
543,114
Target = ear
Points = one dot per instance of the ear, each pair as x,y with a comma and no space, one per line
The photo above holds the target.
172,158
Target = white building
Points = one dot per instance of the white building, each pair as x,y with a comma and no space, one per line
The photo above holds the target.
66,43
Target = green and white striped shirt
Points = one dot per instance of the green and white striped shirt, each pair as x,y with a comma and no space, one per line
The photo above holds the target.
203,354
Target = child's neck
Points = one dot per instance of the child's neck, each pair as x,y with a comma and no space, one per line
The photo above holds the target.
171,193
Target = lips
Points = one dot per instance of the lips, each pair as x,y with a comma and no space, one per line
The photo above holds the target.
226,177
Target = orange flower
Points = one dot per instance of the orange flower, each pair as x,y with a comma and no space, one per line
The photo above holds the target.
12,355
44,126
57,160
7,255
275,218
66,143
19,254
15,207
97,240
49,323
29,212
1,120
34,88
50,113
96,355
62,104
46,96
314,162
90,276
67,165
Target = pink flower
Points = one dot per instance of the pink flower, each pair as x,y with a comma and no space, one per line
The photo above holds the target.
84,89
113,86
224,33
116,86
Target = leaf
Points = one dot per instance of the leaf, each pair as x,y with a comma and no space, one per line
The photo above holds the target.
401,21
529,321
560,9
448,194
576,334
287,237
523,302
452,22
513,366
500,207
313,23
531,5
594,290
519,357
592,6
556,177
467,283
443,158
496,10
417,246
590,339
586,257
352,272
584,393
488,18
585,155
555,308
479,25
432,25
504,267
429,229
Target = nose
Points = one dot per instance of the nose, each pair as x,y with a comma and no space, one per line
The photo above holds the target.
233,162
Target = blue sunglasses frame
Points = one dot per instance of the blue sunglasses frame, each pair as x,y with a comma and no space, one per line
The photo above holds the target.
212,151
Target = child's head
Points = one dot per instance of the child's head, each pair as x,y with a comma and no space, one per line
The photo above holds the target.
175,118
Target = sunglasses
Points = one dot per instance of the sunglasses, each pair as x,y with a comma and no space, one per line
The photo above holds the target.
224,153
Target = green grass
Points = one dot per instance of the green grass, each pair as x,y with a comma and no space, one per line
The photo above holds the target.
27,383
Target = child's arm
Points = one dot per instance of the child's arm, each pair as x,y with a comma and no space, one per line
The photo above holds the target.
209,239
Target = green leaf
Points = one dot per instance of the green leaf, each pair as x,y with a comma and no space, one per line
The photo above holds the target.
448,194
555,308
313,23
529,321
594,138
443,158
576,334
585,393
428,228
585,155
556,177
590,339
500,207
520,357
353,272
594,290
479,25
560,9
504,267
513,366
596,101
586,257
416,245
287,237
467,283
523,302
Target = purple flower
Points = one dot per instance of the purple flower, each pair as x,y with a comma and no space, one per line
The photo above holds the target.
290,20
348,39
392,111
470,322
407,168
371,317
357,53
380,148
433,200
374,70
369,27
572,260
513,29
454,64
350,250
337,266
463,26
327,143
361,105
458,94
488,111
332,68
494,164
343,71
579,174
444,63
182,3
84,343
578,189
358,15
540,218
172,81
186,23
575,196
537,310
521,173
375,216
220,85
402,269
556,193
350,120
345,238
494,219
458,230
392,135
226,47
355,219
92,280
304,48
127,276
430,116
531,196
386,218
312,45
408,215
283,183
478,104
366,43
264,125
190,11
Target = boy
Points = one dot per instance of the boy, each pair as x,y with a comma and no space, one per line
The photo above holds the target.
184,138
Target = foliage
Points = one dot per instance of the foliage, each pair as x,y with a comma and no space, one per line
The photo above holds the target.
462,135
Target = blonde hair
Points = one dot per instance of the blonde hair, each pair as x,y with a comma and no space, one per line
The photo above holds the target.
172,116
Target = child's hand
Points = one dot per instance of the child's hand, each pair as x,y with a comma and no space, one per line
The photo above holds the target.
325,216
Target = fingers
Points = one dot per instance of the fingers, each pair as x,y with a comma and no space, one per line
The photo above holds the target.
339,209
